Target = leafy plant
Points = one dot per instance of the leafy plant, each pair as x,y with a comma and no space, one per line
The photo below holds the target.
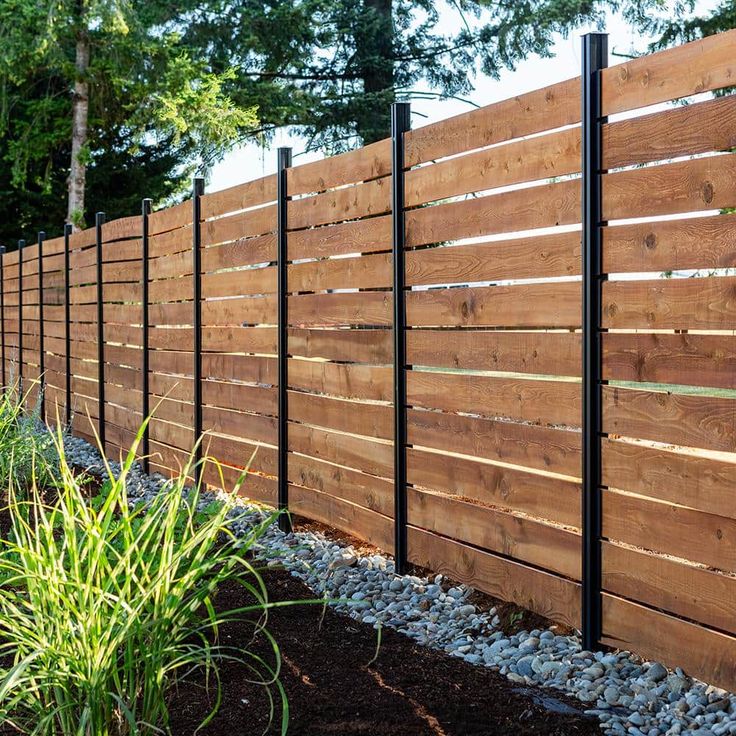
26,444
104,606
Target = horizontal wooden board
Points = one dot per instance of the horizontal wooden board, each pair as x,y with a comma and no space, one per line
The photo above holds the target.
553,597
364,272
541,545
556,353
364,490
246,368
708,422
240,311
368,162
538,402
683,478
703,653
246,224
235,339
526,160
701,65
543,109
239,397
673,530
344,380
697,242
170,218
366,199
356,520
369,419
352,308
525,305
527,445
543,496
360,453
686,130
238,283
669,189
350,345
687,303
545,205
685,590
539,257
697,360
248,252
239,424
359,236
239,197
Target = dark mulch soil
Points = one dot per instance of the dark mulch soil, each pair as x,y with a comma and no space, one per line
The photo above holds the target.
333,688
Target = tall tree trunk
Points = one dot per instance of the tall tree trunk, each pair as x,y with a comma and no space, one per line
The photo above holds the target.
375,56
80,117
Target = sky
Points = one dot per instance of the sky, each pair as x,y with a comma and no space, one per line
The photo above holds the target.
252,161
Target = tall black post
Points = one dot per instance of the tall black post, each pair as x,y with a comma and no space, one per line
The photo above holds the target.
595,58
2,312
41,346
67,330
99,222
197,192
284,163
400,123
21,245
146,405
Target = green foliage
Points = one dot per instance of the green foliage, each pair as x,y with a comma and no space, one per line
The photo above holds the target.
104,607
27,450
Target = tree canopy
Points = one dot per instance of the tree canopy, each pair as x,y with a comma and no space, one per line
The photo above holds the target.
173,85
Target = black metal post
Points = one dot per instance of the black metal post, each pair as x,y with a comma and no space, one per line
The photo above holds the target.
595,58
99,222
41,346
21,245
2,311
67,330
284,163
146,406
400,123
197,192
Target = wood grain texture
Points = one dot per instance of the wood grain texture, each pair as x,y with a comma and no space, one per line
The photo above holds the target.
669,189
538,257
360,453
356,520
349,345
366,199
239,226
513,536
364,272
697,242
239,197
526,445
238,283
239,397
690,480
343,380
536,494
234,339
545,205
359,236
696,360
373,308
551,596
538,402
690,303
701,652
556,353
543,157
358,488
246,368
542,109
239,424
684,590
682,131
246,252
526,305
369,162
371,420
702,65
670,529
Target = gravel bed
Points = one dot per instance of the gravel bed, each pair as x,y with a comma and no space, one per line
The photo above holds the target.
628,695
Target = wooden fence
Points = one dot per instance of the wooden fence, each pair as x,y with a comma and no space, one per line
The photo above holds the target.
493,341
